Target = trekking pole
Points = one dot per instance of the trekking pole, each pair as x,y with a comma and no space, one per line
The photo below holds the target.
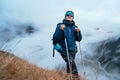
84,74
68,57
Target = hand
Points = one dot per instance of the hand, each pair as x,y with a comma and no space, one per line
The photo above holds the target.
77,29
62,27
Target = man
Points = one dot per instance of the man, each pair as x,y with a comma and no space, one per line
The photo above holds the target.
64,40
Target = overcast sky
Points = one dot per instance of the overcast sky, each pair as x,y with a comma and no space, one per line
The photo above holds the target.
52,11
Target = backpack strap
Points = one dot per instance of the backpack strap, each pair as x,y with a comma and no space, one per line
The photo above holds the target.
53,52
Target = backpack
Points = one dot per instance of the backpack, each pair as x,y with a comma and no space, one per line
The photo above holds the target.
56,45
58,48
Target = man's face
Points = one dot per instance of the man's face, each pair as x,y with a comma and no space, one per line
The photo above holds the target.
69,18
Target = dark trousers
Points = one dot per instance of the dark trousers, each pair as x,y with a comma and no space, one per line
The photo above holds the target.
72,66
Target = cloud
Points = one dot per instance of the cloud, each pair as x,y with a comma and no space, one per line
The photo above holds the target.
48,12
88,14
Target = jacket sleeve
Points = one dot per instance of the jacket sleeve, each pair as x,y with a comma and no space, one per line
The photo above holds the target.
78,36
57,34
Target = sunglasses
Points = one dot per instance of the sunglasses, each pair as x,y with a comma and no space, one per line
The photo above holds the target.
70,15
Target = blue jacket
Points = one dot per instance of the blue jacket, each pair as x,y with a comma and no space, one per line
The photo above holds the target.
69,33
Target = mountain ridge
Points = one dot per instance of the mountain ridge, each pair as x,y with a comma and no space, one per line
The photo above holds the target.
14,68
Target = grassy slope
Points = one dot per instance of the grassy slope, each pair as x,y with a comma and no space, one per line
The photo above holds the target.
14,68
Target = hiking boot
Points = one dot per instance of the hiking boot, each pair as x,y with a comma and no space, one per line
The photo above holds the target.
76,77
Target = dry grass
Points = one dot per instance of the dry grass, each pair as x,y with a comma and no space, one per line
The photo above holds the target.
14,68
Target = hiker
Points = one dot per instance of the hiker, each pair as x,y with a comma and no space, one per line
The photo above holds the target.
69,31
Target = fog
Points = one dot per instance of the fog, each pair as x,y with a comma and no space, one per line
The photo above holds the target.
98,21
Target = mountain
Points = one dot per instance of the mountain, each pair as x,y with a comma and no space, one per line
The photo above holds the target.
108,53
